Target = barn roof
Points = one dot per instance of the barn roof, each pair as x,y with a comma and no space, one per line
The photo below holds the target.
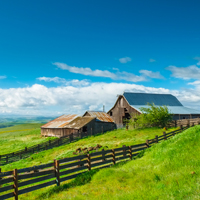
172,109
79,122
101,116
60,122
144,98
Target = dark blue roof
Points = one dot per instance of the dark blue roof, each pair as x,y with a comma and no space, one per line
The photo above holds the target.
157,99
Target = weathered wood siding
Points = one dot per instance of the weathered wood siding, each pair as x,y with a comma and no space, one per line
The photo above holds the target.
121,111
57,132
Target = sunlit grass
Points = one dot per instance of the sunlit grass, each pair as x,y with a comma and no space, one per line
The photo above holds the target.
168,170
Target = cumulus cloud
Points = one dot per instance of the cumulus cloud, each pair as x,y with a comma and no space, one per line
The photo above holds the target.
41,100
3,77
151,74
125,60
152,60
186,73
101,73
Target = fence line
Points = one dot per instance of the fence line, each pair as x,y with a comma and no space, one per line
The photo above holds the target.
21,181
28,151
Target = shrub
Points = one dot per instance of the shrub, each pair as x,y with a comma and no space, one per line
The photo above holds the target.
151,117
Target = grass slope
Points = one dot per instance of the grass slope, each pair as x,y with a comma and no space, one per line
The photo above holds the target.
20,136
168,170
112,139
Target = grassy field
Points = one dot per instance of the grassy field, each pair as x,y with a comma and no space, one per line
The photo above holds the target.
168,170
112,139
20,136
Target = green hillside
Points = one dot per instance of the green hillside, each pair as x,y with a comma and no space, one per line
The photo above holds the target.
20,136
168,170
112,139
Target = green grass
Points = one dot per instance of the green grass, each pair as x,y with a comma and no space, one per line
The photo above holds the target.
168,170
112,139
20,136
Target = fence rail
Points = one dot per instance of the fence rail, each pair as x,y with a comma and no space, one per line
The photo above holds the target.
21,181
28,151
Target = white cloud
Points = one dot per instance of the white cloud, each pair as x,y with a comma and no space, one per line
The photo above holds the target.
151,74
186,73
152,60
101,73
40,100
52,79
125,60
74,82
3,77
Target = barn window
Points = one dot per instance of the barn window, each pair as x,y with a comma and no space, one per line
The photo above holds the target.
110,113
85,129
183,117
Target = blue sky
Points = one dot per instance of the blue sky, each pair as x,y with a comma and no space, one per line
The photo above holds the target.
70,56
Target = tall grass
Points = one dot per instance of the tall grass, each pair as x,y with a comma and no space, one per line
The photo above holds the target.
168,170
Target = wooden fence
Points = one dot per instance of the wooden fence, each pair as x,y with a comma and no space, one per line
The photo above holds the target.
21,181
28,151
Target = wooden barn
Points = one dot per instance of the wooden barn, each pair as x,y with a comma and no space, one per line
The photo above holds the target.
67,124
130,103
103,121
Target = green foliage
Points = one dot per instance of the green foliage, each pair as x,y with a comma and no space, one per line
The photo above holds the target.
153,116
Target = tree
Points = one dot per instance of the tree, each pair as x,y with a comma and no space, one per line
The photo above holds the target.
151,116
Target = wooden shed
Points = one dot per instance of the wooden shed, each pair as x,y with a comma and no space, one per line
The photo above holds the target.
130,103
90,122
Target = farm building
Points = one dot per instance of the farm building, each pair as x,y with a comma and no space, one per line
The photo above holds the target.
67,124
103,121
130,103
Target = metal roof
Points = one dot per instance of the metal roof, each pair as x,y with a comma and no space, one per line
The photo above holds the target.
157,99
102,116
79,122
60,122
173,109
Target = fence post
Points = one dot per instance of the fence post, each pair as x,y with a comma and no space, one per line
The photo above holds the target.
130,152
25,149
72,135
57,171
38,147
188,124
113,155
103,155
175,123
15,179
6,159
164,134
181,127
89,162
147,143
102,129
81,135
91,132
124,150
156,138
192,123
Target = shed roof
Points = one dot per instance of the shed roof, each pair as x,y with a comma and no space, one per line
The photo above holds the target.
157,99
173,109
102,116
60,122
79,122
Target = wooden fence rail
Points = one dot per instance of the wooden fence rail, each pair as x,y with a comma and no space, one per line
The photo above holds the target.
28,151
21,181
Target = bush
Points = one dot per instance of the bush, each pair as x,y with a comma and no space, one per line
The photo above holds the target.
151,117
